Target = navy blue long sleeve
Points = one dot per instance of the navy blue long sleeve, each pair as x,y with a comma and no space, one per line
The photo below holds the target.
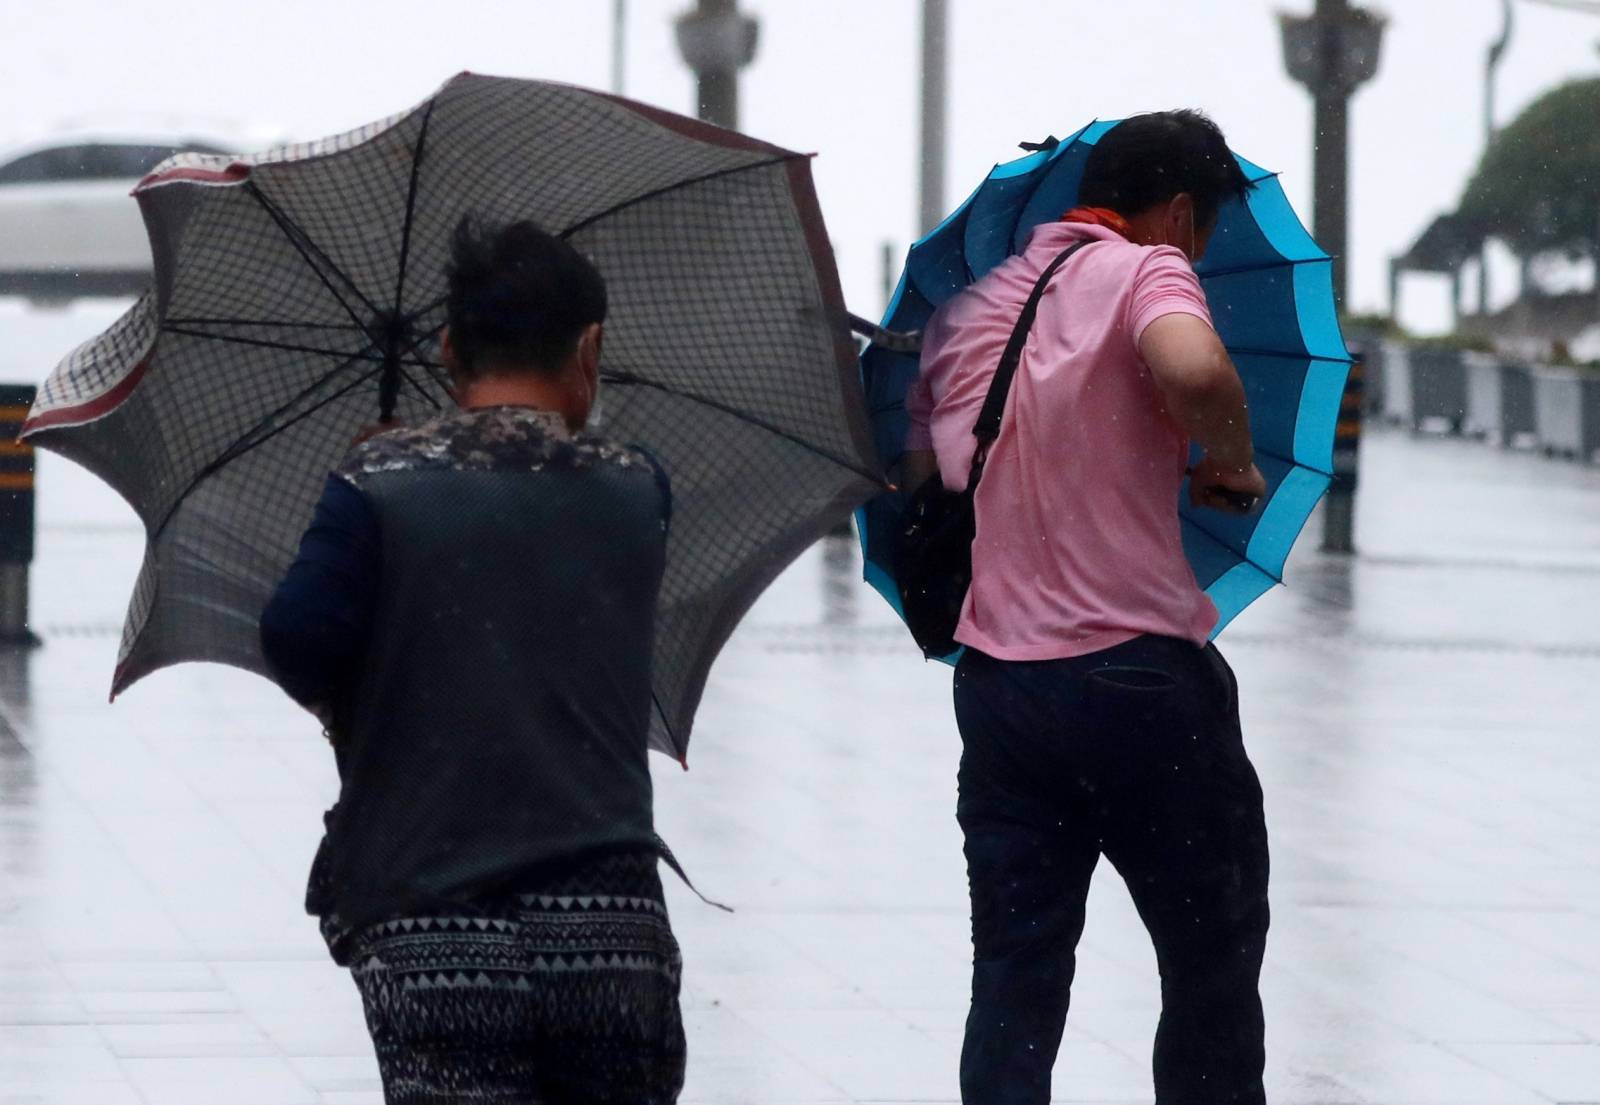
662,481
315,628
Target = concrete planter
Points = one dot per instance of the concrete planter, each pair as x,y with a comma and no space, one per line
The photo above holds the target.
1499,400
1517,426
1394,393
1483,395
1434,387
1374,360
1371,347
1567,411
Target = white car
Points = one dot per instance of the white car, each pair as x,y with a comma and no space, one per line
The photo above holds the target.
68,226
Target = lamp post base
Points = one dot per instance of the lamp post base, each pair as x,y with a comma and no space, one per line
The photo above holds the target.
14,631
1338,522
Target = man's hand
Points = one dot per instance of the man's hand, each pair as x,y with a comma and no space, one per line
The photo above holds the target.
1230,489
917,466
323,712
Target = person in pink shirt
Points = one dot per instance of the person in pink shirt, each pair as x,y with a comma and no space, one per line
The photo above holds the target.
1095,717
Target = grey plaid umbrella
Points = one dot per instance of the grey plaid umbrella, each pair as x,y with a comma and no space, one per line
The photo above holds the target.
298,294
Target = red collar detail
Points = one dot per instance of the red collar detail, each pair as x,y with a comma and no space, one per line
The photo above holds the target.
1100,216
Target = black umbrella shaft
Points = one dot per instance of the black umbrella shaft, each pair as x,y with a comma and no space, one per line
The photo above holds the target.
389,386
396,337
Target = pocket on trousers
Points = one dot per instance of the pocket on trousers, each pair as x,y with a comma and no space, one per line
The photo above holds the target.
1136,679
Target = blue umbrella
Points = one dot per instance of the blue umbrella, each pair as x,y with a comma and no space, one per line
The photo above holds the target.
1270,290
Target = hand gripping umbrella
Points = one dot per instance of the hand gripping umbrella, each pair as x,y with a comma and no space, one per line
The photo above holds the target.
1270,290
299,293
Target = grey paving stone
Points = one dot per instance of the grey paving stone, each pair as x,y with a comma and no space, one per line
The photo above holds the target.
1423,718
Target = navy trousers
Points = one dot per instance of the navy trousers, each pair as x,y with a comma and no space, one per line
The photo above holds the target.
1133,753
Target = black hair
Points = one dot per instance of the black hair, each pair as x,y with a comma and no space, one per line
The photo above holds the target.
1145,160
518,296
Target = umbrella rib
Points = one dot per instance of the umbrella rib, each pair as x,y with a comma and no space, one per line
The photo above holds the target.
1243,558
263,343
1282,262
411,207
394,330
281,324
661,712
420,311
242,446
307,245
433,369
417,387
1291,462
304,246
434,372
582,224
1245,351
414,345
626,378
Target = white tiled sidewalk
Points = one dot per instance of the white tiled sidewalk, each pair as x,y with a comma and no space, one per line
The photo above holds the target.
1425,721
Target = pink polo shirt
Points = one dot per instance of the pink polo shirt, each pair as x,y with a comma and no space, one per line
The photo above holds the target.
1078,545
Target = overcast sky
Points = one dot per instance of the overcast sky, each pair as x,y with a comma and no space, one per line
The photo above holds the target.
837,77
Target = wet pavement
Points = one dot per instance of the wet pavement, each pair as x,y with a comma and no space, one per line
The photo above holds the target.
1424,718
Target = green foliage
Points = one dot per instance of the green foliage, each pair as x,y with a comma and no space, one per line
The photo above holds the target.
1379,324
1538,185
1466,343
1561,357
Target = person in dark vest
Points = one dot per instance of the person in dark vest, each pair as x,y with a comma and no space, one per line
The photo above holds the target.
471,615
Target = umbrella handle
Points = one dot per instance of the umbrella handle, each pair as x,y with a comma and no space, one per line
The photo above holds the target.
895,341
388,389
1242,501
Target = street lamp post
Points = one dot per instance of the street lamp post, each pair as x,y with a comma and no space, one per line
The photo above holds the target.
930,193
1333,52
16,517
717,40
619,43
1497,50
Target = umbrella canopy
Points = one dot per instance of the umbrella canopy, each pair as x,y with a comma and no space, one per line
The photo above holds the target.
1270,291
299,292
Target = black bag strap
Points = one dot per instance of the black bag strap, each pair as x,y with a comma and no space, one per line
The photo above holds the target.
994,404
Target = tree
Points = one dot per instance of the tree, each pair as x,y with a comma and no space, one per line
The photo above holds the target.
1538,184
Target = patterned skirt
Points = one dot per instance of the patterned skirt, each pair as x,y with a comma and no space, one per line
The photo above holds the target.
564,993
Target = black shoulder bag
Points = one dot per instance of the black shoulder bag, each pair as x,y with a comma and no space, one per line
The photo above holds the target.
933,556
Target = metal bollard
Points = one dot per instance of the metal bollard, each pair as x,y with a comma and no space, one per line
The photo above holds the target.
1338,518
16,515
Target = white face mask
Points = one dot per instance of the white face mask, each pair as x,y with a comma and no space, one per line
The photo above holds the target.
1193,252
593,421
1193,241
